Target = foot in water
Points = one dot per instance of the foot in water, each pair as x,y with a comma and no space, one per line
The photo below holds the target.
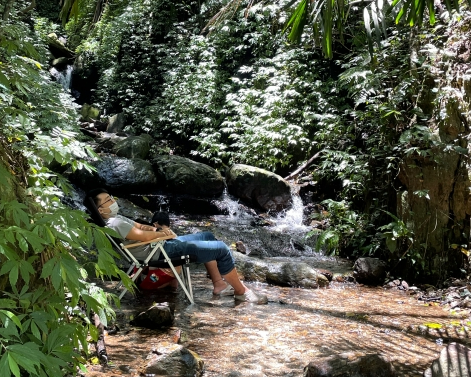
223,289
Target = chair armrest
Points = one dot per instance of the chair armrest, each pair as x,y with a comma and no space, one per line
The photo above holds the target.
169,237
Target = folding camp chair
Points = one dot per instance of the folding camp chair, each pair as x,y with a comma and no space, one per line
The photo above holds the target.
137,266
157,244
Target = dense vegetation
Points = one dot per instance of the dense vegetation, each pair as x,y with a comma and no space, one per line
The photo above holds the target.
233,90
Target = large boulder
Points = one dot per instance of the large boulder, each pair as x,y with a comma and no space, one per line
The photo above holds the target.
292,274
454,361
181,175
369,270
351,364
174,360
116,123
134,146
157,316
259,187
89,112
119,175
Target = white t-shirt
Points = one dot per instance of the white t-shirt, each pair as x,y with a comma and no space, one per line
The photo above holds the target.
122,225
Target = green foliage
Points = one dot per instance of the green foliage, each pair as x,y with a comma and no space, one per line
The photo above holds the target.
348,230
47,295
331,18
395,232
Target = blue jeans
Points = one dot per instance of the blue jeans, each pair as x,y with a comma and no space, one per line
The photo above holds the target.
205,247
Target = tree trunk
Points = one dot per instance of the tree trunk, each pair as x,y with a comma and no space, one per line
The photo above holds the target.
7,9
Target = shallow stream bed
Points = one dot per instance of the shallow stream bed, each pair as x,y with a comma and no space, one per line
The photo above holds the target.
279,339
296,327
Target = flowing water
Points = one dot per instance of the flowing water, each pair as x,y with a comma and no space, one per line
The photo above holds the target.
63,77
296,327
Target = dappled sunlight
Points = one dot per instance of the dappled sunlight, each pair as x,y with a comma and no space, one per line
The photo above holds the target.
299,325
281,338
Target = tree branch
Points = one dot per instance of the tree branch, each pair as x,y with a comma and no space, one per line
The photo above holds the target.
29,8
303,167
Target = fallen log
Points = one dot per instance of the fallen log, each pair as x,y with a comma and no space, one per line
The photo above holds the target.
302,167
100,343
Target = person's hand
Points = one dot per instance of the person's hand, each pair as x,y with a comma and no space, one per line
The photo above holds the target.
167,232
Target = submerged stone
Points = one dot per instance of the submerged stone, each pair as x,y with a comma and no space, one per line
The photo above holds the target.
292,274
351,364
174,360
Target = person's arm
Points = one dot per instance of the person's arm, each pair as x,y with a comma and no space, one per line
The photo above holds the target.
136,234
145,227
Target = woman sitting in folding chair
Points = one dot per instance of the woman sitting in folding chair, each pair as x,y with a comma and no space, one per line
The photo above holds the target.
215,254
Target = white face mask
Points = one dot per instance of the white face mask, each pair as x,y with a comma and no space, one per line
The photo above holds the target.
114,208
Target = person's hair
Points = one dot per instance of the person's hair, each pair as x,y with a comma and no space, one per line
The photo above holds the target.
161,218
91,203
93,194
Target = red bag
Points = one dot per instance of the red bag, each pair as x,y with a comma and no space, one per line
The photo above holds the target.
154,278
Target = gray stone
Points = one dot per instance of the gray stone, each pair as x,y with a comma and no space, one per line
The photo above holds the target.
174,360
259,187
134,146
293,274
106,141
60,63
116,123
157,316
369,270
118,175
181,175
132,211
89,113
351,364
454,361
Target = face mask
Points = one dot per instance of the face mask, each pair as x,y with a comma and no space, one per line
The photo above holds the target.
114,208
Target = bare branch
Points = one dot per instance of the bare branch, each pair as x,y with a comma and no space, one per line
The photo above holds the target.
303,167
29,8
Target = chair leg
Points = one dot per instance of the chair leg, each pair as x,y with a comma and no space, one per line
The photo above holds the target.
135,276
127,272
187,278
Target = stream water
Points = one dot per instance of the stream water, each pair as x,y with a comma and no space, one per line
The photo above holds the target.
296,327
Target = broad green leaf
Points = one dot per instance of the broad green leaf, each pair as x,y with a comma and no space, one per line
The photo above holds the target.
13,365
4,81
4,367
13,317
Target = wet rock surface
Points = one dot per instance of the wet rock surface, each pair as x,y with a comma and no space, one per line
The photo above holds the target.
117,174
180,175
134,146
369,270
288,273
173,360
351,364
155,317
259,187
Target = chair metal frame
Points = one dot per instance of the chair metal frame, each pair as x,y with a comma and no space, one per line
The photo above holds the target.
184,279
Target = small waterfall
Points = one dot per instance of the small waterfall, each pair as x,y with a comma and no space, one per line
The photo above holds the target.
292,219
236,212
63,77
